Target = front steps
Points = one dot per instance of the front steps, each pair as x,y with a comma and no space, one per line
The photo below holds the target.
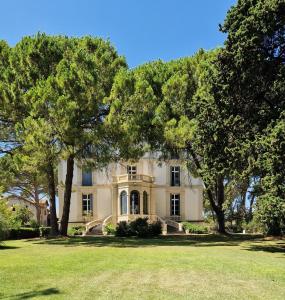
169,227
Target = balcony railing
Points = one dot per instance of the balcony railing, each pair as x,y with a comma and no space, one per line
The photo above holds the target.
133,178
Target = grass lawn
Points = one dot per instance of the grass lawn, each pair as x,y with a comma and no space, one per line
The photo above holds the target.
202,267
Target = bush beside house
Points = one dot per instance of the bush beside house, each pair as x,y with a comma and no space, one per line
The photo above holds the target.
139,227
194,228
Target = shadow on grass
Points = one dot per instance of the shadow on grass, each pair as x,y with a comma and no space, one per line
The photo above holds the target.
33,294
3,246
277,248
133,242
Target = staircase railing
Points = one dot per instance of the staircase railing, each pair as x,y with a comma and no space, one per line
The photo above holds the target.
92,224
105,223
174,224
163,224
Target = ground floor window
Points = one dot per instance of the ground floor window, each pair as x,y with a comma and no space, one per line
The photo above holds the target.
135,202
145,203
87,204
175,205
124,202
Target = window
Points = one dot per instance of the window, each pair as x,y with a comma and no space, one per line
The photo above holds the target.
124,202
175,176
145,203
175,205
86,177
135,202
132,170
87,204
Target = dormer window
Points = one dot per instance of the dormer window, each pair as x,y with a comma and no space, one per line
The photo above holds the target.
86,177
175,176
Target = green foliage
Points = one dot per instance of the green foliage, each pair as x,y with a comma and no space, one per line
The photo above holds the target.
250,86
270,213
170,108
44,231
5,216
123,229
155,228
139,227
110,229
194,228
34,224
253,226
76,230
22,215
24,233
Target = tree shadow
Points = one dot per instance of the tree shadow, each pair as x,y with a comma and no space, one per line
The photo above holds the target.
278,248
3,246
209,240
32,294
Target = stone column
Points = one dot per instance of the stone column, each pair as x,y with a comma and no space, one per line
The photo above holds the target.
141,202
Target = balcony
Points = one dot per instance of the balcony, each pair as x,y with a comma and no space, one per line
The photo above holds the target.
133,178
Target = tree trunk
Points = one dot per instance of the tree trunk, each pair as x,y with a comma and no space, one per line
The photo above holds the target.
67,195
221,221
37,202
250,215
52,193
220,194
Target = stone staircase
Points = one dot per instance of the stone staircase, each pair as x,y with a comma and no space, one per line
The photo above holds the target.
96,230
96,227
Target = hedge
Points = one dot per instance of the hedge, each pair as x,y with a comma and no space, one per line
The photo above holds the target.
24,233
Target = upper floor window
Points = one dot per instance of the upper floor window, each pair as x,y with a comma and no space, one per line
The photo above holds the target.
86,177
132,170
175,176
87,204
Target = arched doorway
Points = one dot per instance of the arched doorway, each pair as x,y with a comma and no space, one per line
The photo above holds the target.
124,202
135,202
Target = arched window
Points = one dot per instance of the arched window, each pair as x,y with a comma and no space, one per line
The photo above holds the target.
135,202
145,203
124,202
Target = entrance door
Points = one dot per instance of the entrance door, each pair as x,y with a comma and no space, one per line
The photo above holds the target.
135,202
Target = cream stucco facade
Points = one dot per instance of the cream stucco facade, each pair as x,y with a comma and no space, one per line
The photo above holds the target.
44,212
124,191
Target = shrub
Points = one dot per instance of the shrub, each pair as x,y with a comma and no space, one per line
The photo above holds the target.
270,214
5,220
24,233
139,227
155,228
252,227
76,230
194,228
22,215
123,229
34,224
45,231
110,229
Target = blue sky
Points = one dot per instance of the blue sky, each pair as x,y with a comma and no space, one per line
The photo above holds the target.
142,30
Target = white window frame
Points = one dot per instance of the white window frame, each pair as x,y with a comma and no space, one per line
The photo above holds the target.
175,170
174,198
132,169
88,198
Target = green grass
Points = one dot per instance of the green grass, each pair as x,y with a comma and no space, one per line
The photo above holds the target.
201,267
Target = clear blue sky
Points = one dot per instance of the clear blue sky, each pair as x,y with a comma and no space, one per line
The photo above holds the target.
142,30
